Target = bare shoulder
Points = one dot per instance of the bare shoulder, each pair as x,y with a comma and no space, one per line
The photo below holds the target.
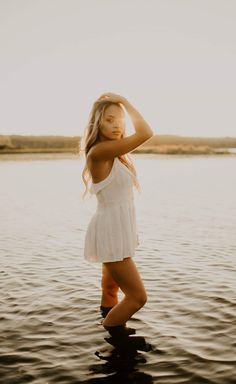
99,168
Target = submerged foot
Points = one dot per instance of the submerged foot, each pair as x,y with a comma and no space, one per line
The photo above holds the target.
125,343
127,330
120,330
105,310
129,344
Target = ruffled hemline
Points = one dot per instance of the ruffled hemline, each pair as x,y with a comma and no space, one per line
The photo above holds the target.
112,237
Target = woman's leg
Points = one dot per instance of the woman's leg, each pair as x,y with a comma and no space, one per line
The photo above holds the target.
109,289
127,277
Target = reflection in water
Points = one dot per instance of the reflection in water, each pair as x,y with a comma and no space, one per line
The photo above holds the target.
121,367
119,373
121,364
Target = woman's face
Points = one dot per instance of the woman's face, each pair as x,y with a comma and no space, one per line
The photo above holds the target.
113,123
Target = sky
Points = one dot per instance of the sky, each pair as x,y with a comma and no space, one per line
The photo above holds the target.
173,60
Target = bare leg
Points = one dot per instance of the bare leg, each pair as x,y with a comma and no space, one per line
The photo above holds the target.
109,289
127,277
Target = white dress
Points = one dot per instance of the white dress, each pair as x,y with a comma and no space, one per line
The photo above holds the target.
112,231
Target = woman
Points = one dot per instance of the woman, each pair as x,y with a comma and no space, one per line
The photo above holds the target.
111,236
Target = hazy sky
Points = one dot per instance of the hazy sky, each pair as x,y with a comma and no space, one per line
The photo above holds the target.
174,60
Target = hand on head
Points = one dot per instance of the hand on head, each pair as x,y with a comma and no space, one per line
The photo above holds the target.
112,97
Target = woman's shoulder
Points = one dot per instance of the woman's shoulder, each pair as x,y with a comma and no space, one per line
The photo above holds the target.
99,169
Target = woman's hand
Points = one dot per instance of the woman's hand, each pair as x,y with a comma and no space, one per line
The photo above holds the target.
112,97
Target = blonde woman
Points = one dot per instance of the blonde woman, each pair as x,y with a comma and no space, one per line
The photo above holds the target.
111,237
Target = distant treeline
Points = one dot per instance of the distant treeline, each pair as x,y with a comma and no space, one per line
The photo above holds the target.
214,142
157,144
22,144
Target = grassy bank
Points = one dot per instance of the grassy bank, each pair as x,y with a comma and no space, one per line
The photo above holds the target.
181,150
158,144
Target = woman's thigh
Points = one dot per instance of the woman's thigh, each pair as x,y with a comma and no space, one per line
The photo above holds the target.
127,277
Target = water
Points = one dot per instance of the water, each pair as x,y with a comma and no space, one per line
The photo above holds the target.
50,297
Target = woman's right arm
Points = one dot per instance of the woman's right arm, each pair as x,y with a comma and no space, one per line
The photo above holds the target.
109,149
140,125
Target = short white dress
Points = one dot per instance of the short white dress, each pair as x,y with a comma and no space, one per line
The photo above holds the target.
112,233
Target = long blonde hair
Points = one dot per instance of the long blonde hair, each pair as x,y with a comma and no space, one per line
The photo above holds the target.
90,138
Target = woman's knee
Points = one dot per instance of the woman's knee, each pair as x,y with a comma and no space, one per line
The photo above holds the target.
143,299
139,299
126,275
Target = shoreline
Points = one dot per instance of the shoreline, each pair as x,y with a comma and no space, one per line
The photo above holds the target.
71,156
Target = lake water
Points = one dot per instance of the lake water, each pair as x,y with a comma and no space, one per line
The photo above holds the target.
50,296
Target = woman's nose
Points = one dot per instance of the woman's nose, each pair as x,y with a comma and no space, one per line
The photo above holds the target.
118,125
